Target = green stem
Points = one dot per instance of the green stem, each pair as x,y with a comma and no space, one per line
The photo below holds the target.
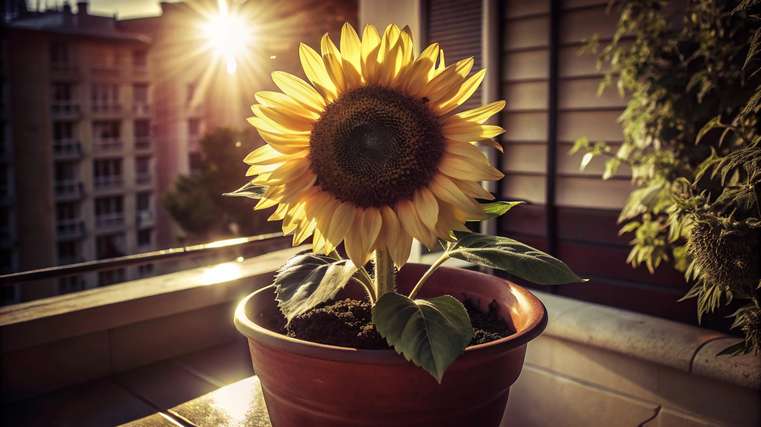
429,272
385,278
368,290
363,279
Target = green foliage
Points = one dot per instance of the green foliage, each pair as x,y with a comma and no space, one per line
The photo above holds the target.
308,280
498,208
692,72
511,256
195,202
430,333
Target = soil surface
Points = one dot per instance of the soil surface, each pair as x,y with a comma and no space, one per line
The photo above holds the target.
347,323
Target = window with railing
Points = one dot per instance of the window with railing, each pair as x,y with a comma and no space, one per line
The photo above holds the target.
140,99
109,211
140,60
110,245
142,132
145,238
107,135
107,173
143,173
144,211
105,97
60,55
64,99
65,143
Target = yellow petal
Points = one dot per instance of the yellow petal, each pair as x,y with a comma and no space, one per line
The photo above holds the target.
427,207
474,189
285,103
464,93
446,190
335,71
289,122
351,47
370,48
289,171
340,223
464,168
264,155
457,129
314,68
328,47
448,82
482,113
286,144
400,252
293,189
415,77
299,90
465,149
411,223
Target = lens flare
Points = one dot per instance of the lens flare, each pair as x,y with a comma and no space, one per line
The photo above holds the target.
228,35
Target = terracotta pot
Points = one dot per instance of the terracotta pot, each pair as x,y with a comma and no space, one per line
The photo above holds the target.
310,384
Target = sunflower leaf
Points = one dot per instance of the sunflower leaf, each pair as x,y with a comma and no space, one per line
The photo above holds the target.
497,209
431,333
308,280
513,257
250,190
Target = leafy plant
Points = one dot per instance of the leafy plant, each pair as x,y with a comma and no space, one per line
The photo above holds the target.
691,138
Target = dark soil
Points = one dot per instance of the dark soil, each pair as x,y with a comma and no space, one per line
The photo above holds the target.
347,323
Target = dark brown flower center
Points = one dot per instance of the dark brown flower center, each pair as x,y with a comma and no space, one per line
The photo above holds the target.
375,146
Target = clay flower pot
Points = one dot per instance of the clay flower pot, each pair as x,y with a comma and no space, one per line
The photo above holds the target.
310,384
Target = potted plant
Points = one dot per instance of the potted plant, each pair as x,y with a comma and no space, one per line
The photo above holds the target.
370,154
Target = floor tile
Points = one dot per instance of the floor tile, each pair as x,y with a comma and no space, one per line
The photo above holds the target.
238,404
221,365
164,384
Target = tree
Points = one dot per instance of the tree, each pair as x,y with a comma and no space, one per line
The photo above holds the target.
196,202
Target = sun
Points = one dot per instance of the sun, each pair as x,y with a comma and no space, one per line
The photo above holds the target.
228,36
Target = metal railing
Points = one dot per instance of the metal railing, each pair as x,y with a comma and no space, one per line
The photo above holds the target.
158,255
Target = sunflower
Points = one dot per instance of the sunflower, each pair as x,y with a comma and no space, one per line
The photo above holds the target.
369,151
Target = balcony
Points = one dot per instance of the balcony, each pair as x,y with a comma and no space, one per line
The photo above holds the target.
106,71
69,190
143,178
631,369
107,110
143,144
111,182
67,150
145,219
70,229
141,109
109,222
65,109
108,145
65,71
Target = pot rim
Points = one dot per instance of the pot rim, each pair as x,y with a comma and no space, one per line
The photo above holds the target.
251,330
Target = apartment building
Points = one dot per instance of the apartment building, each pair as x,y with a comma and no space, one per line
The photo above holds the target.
77,155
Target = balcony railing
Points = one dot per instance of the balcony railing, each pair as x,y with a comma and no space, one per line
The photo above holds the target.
108,145
108,182
141,109
143,143
65,109
65,70
110,221
70,229
67,150
143,178
69,190
144,219
107,108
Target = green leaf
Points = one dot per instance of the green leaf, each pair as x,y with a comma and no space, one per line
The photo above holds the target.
429,333
308,280
252,191
586,159
514,257
711,124
496,209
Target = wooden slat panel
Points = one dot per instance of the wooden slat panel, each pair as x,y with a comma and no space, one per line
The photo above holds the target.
524,126
579,25
525,158
590,225
582,93
532,64
595,125
573,62
526,95
592,192
572,4
526,33
519,8
525,219
524,187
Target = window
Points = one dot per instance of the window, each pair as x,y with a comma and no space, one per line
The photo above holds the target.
194,127
68,252
67,211
142,128
143,169
109,211
59,55
110,246
140,93
63,98
143,201
63,131
105,97
70,284
139,59
145,270
109,277
107,172
190,93
144,237
66,172
107,135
